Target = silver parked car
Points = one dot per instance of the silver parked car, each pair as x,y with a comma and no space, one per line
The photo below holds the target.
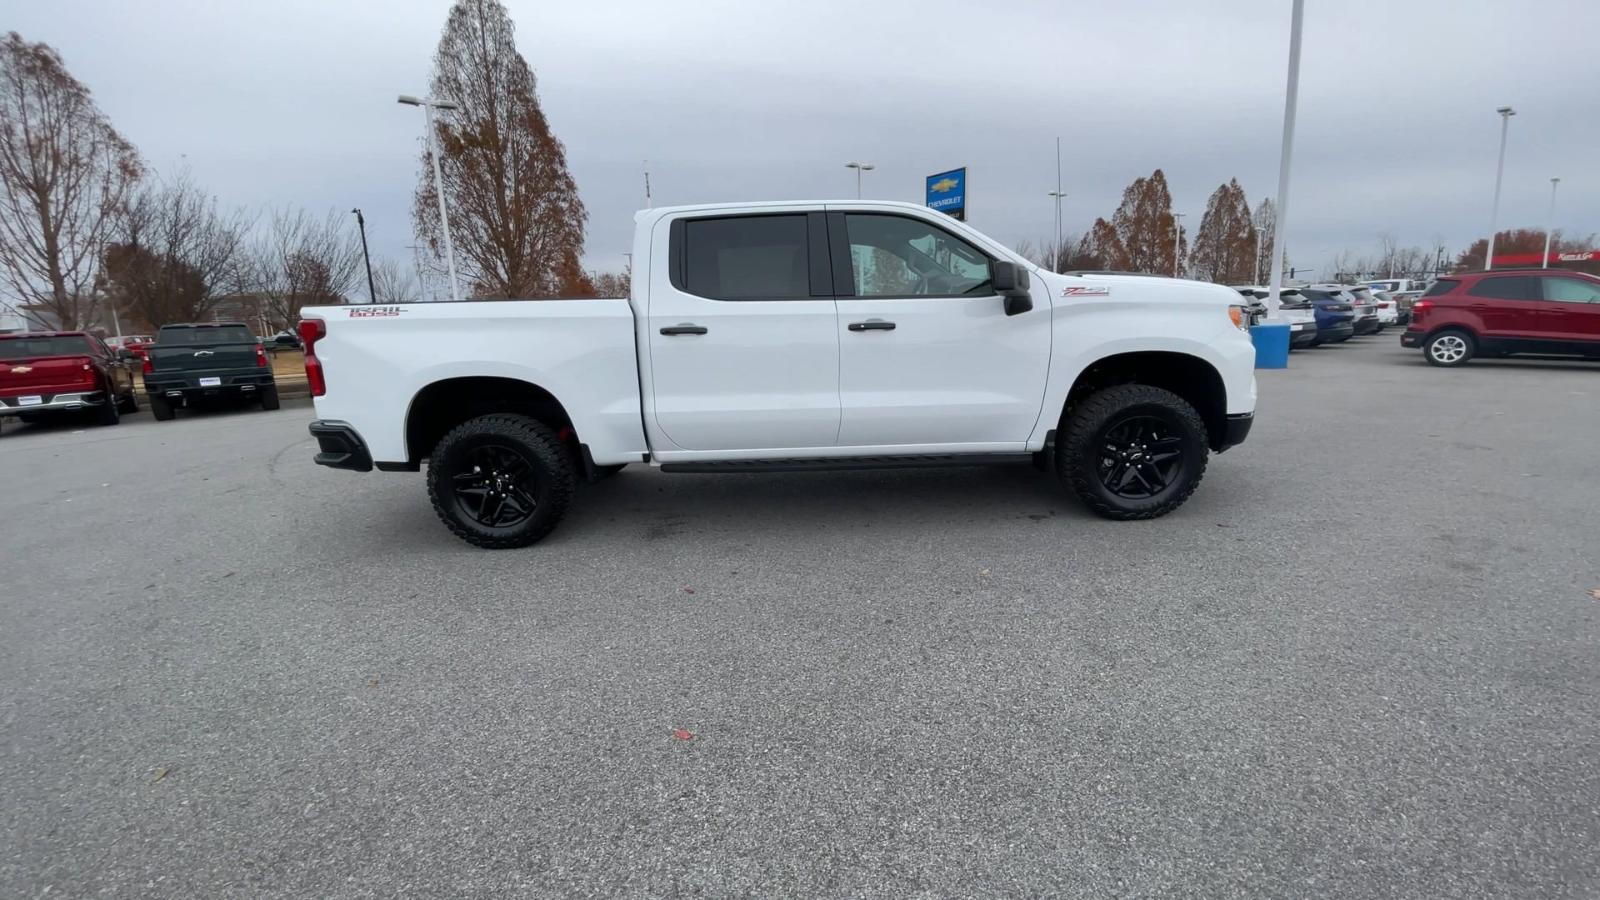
1362,303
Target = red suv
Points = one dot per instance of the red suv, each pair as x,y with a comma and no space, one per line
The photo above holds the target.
1506,311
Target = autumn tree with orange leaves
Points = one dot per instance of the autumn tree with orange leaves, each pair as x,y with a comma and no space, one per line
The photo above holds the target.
1225,243
515,216
1145,227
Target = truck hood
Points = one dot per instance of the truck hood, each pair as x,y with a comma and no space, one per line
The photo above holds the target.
1137,288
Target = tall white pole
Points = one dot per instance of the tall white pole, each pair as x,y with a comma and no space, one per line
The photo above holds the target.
1055,259
1255,264
444,217
1280,209
1550,227
1506,113
858,182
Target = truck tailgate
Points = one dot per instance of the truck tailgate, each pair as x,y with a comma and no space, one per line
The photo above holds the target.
33,376
201,359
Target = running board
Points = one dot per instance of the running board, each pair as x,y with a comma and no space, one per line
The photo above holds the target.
851,463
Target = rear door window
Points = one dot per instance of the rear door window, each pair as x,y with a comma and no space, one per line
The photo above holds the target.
747,258
1442,286
1507,287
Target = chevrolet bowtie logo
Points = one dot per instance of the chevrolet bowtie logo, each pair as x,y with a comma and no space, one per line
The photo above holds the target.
22,370
943,185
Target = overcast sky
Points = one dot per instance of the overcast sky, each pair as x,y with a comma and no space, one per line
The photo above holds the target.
292,101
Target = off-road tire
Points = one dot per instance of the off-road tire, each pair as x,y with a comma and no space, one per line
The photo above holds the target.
269,397
107,413
1081,449
553,478
161,409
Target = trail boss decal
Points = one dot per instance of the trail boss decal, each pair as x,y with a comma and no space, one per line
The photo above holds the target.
373,312
1087,291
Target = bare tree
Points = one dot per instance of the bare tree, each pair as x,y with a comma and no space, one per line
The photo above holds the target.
1266,222
395,283
64,173
175,255
516,218
608,284
303,261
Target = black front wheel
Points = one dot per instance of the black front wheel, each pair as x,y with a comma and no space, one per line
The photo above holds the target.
500,481
1133,451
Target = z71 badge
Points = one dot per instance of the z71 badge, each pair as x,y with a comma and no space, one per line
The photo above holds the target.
373,312
1086,291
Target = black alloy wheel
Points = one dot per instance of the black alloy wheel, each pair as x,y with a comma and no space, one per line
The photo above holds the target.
1140,457
495,486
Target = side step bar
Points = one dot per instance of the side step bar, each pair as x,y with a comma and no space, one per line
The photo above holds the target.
852,463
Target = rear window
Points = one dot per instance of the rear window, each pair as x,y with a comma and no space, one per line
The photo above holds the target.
747,258
1507,287
206,334
1442,286
63,345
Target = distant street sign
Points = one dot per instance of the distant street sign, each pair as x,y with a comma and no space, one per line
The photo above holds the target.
947,192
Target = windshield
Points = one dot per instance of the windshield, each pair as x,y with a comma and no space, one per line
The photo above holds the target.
206,334
57,345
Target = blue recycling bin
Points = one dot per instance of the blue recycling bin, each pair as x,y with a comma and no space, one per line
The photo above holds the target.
1272,344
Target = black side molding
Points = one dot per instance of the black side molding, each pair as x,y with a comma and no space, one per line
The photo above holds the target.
341,447
852,463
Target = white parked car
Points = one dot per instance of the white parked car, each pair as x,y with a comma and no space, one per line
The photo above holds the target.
1292,308
789,337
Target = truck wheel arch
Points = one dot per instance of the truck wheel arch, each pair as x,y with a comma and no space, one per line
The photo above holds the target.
444,404
1194,379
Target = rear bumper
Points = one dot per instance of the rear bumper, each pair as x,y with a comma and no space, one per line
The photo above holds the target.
1303,338
340,446
1238,428
12,406
188,387
1336,332
1411,339
1367,325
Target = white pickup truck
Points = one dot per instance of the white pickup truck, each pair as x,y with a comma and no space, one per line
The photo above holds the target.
792,336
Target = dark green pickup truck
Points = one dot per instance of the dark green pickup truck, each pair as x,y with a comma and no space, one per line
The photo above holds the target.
206,360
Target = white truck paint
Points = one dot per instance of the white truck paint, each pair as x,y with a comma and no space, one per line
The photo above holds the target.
914,371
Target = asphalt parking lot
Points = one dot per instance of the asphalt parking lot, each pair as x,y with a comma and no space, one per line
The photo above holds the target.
1361,662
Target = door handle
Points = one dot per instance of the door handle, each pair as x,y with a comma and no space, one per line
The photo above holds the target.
872,325
685,328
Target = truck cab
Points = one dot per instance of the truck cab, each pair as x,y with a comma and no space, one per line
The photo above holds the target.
782,336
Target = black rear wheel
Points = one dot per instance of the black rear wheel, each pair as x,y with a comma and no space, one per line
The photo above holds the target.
269,397
160,408
107,412
1133,451
500,481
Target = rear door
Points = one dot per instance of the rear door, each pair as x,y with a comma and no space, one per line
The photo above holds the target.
1572,305
744,353
1509,306
927,355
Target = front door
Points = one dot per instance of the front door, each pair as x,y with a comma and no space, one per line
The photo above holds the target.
927,355
744,353
1573,307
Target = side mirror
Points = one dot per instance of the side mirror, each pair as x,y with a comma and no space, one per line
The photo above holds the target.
1011,282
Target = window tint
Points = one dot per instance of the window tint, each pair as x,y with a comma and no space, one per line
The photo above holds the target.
1507,287
205,334
60,345
1442,286
747,258
897,256
1571,290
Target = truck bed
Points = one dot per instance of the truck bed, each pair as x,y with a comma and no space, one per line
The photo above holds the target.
375,360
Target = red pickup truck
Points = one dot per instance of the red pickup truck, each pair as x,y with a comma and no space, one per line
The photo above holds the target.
42,373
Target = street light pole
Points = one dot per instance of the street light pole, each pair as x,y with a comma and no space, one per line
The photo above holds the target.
361,223
1280,209
859,167
1506,113
1551,226
1059,195
1177,241
428,105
